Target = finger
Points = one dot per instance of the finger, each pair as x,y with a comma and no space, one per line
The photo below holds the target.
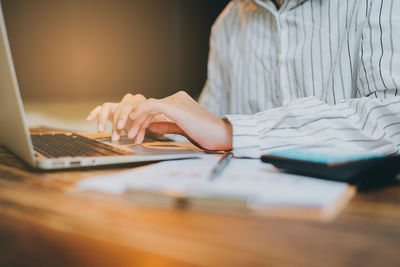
116,135
128,126
147,107
93,114
137,99
133,130
141,114
142,132
137,125
147,121
115,118
140,136
126,97
103,116
123,115
114,106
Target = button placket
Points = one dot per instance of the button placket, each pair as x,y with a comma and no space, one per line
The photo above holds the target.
283,72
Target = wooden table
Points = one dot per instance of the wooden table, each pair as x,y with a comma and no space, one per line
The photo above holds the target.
43,222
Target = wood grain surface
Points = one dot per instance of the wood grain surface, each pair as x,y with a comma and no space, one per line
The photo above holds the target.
44,221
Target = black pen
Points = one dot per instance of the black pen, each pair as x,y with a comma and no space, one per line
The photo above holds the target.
222,163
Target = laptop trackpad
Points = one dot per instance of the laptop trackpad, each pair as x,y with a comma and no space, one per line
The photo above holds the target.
147,150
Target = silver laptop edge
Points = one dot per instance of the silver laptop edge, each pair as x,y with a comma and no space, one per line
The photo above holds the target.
14,133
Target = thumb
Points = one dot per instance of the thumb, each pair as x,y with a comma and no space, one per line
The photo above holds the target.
165,127
168,127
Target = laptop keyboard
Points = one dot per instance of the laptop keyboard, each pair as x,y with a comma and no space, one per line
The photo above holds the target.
74,145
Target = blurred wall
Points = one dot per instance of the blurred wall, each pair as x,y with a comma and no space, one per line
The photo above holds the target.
101,49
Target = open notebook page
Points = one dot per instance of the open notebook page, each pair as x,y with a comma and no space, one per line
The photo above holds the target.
260,184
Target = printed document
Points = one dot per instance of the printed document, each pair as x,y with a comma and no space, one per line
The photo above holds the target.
260,184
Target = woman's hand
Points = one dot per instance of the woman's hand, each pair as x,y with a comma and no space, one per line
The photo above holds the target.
190,119
117,113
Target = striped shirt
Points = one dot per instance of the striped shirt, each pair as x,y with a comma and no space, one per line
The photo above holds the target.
315,74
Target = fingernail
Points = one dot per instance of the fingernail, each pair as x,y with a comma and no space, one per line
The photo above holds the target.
100,127
130,135
120,124
132,115
115,136
88,118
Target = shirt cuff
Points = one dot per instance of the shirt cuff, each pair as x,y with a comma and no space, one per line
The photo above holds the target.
245,136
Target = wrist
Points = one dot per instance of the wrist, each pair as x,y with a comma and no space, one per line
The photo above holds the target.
219,137
226,142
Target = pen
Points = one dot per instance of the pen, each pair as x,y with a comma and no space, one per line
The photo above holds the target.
222,163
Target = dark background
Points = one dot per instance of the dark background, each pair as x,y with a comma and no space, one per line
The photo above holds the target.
102,49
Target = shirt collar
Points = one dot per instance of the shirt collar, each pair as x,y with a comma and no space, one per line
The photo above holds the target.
263,3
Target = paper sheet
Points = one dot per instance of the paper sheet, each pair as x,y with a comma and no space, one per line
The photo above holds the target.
260,184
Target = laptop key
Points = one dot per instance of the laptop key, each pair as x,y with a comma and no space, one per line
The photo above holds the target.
74,145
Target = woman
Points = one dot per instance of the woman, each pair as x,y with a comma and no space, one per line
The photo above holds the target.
309,74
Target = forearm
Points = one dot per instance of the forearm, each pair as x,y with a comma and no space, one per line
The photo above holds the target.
355,125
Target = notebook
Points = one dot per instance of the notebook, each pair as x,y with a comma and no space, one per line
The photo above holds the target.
246,186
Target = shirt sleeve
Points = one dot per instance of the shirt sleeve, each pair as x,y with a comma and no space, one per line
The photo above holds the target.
369,123
353,126
215,94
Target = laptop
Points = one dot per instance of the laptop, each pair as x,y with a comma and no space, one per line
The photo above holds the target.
61,150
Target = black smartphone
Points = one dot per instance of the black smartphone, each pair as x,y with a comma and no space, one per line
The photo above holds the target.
356,169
